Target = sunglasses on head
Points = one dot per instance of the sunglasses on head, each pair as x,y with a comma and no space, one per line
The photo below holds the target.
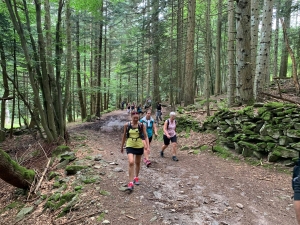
134,113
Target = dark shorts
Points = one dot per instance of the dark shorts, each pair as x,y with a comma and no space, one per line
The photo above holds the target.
296,187
167,140
135,151
150,139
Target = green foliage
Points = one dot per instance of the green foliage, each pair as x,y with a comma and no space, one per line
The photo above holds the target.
101,217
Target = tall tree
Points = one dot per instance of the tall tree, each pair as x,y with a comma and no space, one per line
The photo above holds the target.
218,49
263,59
254,33
179,48
207,55
231,59
243,51
155,47
189,92
286,10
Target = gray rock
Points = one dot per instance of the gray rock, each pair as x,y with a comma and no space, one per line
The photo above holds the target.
67,156
239,205
153,219
118,169
157,194
98,157
97,167
105,222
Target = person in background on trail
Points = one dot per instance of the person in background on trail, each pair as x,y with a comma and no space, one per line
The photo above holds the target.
122,105
128,107
132,107
158,113
134,131
149,101
170,135
139,109
148,122
296,189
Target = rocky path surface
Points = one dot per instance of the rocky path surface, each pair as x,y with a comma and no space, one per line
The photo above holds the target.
199,189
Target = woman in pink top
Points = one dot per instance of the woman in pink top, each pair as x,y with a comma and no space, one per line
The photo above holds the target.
170,135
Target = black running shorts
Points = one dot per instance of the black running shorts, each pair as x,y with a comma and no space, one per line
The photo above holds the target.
296,186
167,140
135,151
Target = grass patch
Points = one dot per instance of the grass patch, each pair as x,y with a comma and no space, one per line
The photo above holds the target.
89,157
204,147
101,217
79,137
221,151
196,152
187,132
105,193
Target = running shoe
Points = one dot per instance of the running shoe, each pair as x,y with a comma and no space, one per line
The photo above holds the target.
148,163
162,154
136,181
130,186
174,158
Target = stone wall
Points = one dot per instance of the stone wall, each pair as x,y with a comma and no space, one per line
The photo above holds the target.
269,130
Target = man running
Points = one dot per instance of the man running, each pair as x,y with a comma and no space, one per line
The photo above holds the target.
148,122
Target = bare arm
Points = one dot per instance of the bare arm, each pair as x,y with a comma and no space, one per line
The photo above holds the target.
124,137
146,137
155,129
165,129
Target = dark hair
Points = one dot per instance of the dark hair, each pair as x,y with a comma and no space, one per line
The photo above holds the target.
134,113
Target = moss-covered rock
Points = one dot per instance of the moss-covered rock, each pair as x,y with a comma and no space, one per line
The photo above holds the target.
266,116
52,175
183,148
67,156
257,155
73,169
248,145
60,149
272,157
293,133
284,152
296,146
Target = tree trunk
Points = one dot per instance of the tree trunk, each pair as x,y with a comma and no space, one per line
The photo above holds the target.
218,49
254,34
179,51
189,92
287,5
69,64
13,173
243,48
231,58
275,71
207,55
155,56
294,72
5,83
80,92
263,59
98,104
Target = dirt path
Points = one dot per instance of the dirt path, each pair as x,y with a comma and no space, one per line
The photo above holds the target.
199,189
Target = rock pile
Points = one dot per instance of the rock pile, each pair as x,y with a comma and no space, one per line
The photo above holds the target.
264,130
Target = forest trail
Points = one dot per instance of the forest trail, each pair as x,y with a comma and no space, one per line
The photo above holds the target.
202,188
199,189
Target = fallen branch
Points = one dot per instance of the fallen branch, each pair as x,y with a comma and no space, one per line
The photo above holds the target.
131,217
7,98
68,222
40,181
284,99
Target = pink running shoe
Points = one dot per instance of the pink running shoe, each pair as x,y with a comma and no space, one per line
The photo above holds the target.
136,181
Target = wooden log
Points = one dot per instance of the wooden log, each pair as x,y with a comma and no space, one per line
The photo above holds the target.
284,99
40,181
7,98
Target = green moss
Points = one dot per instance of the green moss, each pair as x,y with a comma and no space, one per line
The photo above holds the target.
105,193
261,110
89,180
27,174
274,104
52,175
223,152
77,188
248,145
266,116
101,217
73,169
60,149
196,152
204,147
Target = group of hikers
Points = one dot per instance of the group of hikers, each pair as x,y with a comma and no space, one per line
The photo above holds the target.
138,134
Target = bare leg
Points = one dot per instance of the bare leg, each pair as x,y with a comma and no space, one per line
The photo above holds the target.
297,210
174,148
164,147
137,164
131,166
146,151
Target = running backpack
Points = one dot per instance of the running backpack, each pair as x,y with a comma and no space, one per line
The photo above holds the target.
168,121
140,128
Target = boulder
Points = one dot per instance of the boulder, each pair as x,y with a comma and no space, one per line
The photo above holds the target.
272,157
67,156
73,169
285,152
